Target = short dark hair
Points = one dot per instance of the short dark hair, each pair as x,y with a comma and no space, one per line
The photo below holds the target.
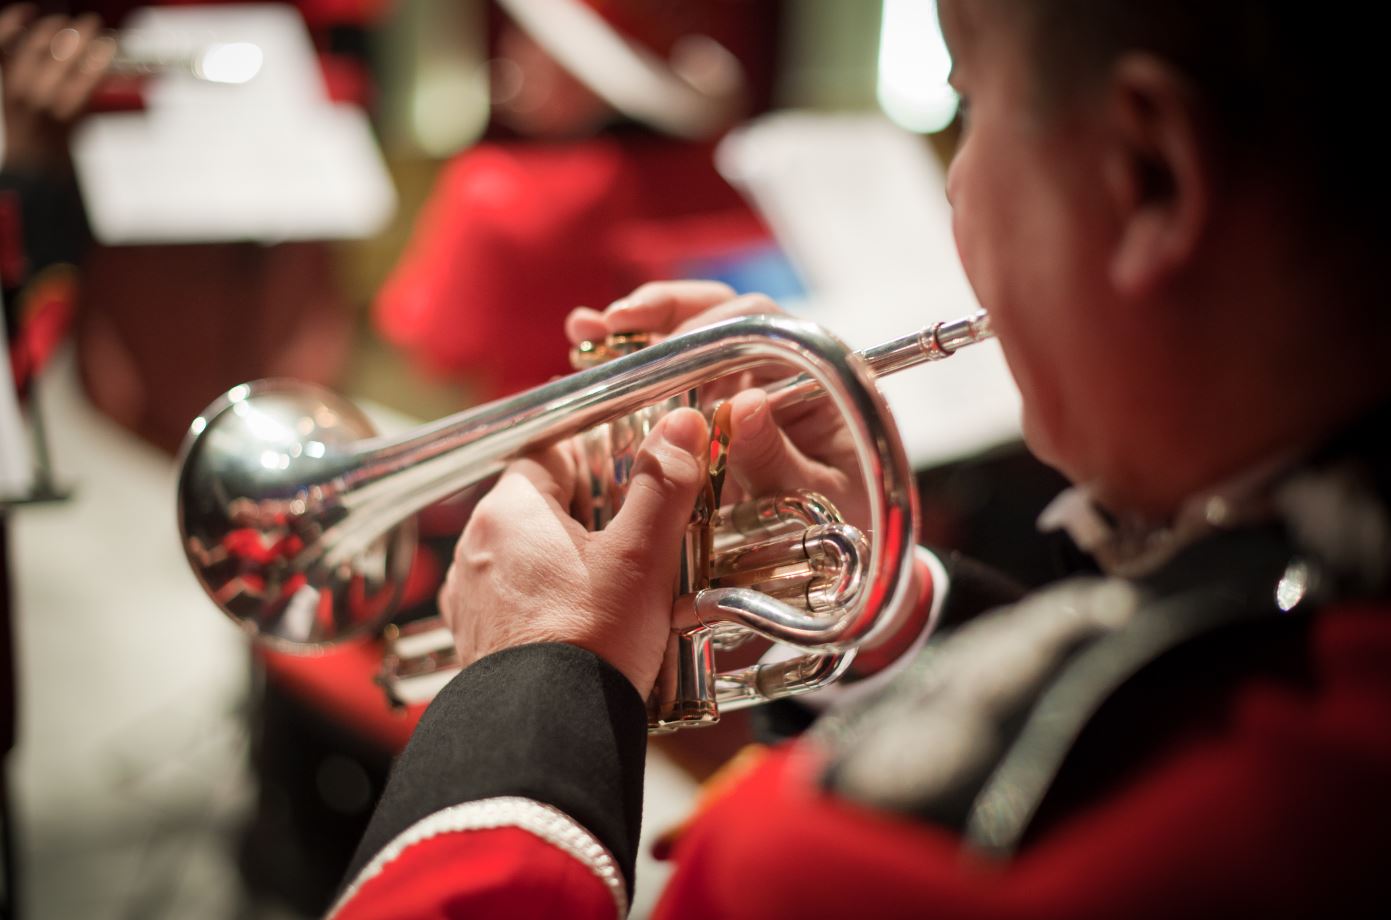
1297,85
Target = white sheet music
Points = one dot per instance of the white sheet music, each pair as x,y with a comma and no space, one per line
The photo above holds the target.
271,159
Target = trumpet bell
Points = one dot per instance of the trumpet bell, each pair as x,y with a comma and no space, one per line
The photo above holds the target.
265,479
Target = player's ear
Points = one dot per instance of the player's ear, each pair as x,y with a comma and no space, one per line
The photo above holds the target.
1156,170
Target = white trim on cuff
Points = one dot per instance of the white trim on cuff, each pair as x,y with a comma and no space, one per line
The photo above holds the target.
536,818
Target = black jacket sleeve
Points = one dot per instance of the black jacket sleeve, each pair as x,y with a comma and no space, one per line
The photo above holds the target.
41,223
553,723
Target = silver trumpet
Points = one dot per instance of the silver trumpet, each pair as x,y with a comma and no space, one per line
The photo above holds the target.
299,522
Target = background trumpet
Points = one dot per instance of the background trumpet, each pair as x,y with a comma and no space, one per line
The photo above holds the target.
298,522
135,52
141,53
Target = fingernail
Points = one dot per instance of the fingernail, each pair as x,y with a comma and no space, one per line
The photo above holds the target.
685,430
755,407
753,416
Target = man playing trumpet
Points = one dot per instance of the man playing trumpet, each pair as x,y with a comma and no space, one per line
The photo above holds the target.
1185,281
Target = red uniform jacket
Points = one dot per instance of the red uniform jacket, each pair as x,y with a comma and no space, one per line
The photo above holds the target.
1176,746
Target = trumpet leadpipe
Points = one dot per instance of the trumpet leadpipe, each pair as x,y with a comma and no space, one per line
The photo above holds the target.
930,343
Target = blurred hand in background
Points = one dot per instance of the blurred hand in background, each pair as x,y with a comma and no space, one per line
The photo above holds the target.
49,67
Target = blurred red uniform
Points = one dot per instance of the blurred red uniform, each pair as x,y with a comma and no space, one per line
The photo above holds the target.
582,193
517,234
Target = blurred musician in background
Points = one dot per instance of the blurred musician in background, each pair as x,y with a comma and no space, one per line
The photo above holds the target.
1187,282
159,328
51,67
597,173
238,310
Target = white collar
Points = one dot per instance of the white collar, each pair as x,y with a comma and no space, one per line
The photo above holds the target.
1130,546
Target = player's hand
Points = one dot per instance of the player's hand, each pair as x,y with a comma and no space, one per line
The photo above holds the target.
804,447
525,571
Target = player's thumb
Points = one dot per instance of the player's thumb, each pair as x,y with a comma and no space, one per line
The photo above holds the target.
668,473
